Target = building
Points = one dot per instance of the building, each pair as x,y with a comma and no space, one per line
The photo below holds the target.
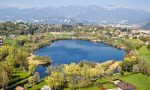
19,88
123,85
126,86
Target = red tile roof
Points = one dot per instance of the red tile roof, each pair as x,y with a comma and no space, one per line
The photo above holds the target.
126,86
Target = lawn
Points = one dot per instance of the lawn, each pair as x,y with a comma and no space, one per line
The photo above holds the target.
9,41
142,82
109,85
18,76
38,86
145,54
90,88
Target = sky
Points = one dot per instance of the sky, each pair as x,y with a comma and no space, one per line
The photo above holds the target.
134,4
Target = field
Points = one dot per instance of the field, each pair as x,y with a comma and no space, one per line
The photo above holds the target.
90,88
141,82
9,41
38,86
145,54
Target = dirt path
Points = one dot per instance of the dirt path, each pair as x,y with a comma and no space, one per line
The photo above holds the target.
114,65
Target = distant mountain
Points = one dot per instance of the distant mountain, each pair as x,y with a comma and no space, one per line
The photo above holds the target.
147,26
75,14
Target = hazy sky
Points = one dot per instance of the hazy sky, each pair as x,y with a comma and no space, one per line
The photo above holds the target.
135,4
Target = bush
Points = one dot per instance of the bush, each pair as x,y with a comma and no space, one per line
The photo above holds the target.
148,46
27,86
128,65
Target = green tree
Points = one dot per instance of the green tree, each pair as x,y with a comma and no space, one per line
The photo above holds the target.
4,52
31,68
148,46
31,80
128,66
11,60
21,58
37,77
55,80
4,76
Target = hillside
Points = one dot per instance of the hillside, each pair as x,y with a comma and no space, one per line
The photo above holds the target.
147,26
75,14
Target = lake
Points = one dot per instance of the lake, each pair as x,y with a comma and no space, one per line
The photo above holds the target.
68,51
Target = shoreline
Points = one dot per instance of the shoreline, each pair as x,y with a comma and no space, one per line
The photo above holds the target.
74,38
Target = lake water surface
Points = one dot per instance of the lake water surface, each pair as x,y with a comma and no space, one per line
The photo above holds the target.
68,51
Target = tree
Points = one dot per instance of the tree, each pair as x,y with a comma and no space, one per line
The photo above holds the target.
11,60
55,80
51,69
83,82
128,66
72,82
72,69
31,80
21,40
34,79
32,68
85,70
4,76
121,73
37,76
21,58
4,52
148,46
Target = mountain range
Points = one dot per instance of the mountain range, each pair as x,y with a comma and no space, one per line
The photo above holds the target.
147,26
75,14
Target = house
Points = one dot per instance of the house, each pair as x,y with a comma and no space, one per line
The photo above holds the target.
124,85
19,88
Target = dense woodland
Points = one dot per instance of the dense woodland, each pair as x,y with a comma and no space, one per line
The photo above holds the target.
9,28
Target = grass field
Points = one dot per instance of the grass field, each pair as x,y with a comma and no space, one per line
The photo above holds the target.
90,88
109,86
38,86
141,82
18,75
145,54
9,41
